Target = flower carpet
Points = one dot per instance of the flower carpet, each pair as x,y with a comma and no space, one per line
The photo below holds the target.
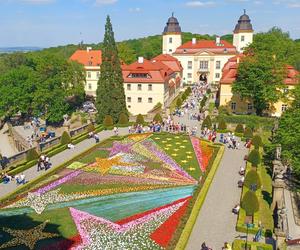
127,194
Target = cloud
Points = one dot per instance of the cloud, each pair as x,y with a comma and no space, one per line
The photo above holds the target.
288,3
136,9
199,4
105,2
293,5
38,1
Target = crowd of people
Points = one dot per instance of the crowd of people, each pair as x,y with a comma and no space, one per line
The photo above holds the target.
43,163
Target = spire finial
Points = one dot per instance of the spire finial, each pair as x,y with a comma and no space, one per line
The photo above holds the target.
244,11
172,14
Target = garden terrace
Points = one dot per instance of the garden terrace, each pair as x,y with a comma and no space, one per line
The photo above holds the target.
127,192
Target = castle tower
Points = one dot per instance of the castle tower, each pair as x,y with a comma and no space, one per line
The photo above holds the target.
171,36
243,33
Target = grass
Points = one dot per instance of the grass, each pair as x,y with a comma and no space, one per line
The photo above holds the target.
93,155
180,148
240,244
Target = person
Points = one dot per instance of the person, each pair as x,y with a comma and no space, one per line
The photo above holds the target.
242,171
236,209
96,137
47,163
116,131
205,247
91,134
241,182
20,179
6,178
226,246
39,165
71,146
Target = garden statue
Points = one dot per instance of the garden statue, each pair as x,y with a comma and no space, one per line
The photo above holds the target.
278,153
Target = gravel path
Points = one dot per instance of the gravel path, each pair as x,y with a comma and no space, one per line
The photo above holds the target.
215,223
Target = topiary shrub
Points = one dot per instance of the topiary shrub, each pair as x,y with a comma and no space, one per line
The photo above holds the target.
90,127
157,118
123,119
248,133
184,96
254,158
108,121
139,119
31,155
252,180
65,138
250,203
222,124
207,123
257,141
239,128
178,102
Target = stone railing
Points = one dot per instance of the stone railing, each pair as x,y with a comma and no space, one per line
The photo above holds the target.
20,143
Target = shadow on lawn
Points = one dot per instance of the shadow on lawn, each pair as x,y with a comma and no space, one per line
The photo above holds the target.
24,222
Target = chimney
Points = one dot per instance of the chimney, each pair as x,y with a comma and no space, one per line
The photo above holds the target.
88,49
218,40
194,40
141,59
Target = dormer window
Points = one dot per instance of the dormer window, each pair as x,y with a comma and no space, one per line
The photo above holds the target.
90,63
139,75
184,51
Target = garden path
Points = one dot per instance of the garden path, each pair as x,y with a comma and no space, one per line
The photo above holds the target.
215,223
58,159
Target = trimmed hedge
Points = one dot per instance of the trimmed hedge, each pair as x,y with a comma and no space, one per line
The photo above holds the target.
178,102
250,203
207,123
240,244
182,242
108,121
239,128
254,157
31,155
65,138
257,141
123,119
252,179
222,124
139,119
157,118
248,133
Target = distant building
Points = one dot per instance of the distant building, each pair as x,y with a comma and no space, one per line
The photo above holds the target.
91,60
205,59
236,105
149,82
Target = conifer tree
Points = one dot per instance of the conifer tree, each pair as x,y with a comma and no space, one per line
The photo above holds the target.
110,92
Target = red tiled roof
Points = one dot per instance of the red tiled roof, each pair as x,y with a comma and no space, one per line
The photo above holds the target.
170,61
88,58
231,67
158,72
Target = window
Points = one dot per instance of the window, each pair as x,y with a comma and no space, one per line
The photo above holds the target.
139,75
139,87
98,75
250,106
150,100
128,99
284,107
242,38
150,87
217,75
129,106
140,99
233,106
170,40
170,50
189,75
190,64
90,86
204,65
218,64
128,86
89,74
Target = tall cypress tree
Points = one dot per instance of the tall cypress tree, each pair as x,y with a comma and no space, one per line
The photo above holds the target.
110,92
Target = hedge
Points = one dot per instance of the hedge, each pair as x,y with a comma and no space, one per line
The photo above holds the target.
123,119
182,242
108,121
257,141
254,157
252,178
139,119
239,128
240,244
65,138
31,155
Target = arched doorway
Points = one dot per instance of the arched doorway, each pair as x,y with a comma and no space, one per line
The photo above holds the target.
203,77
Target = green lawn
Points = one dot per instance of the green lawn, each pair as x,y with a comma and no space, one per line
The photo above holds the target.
180,148
90,158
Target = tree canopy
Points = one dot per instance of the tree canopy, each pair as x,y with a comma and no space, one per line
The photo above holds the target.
261,72
40,84
110,92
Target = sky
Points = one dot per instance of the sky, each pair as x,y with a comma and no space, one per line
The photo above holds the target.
46,23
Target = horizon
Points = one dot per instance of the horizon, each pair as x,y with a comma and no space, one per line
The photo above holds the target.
50,23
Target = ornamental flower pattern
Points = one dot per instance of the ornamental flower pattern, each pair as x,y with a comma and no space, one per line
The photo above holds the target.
99,233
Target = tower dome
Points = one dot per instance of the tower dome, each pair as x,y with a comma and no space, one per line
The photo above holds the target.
172,25
244,24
